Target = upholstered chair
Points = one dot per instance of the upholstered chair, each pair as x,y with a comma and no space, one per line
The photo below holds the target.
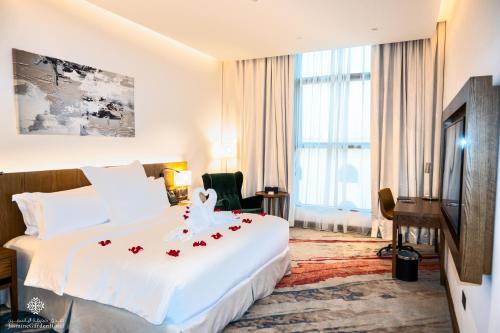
228,188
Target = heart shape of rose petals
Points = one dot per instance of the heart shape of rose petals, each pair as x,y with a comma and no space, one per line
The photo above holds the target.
248,221
235,227
236,211
217,235
173,253
136,249
104,242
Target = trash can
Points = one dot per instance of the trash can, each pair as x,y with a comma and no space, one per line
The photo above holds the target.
407,265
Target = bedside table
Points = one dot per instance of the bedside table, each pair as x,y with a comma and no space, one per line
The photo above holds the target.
280,196
8,277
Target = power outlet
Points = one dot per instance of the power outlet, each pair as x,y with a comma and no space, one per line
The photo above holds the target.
464,300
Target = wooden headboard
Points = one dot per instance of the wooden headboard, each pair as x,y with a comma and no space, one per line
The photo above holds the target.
11,220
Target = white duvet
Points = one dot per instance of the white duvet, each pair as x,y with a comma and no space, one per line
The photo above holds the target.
154,285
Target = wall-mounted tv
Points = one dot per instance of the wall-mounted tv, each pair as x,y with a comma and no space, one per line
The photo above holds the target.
452,171
469,159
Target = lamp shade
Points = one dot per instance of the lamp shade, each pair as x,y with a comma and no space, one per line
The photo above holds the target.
182,178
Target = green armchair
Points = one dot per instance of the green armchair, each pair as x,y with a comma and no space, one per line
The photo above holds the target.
228,188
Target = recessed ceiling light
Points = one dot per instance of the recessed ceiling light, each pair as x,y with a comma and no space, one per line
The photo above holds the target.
374,29
299,37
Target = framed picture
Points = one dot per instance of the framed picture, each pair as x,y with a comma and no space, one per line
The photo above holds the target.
55,96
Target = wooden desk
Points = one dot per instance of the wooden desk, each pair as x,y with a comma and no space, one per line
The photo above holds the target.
419,213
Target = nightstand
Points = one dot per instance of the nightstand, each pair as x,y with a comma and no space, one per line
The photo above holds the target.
8,277
280,196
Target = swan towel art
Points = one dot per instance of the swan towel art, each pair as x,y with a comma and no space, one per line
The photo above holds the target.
201,217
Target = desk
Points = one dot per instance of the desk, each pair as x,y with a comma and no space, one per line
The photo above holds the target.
280,196
419,213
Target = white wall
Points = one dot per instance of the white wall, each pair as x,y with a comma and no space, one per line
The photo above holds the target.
473,48
177,89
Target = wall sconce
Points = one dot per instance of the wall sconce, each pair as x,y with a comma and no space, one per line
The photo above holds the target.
225,151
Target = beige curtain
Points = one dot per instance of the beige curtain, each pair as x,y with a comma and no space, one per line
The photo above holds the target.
258,110
406,110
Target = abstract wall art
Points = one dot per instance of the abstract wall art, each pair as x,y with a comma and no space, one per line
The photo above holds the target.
55,96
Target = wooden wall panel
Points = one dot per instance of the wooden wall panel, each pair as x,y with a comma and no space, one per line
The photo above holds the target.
11,221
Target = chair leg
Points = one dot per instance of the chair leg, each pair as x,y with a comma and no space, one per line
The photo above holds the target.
387,248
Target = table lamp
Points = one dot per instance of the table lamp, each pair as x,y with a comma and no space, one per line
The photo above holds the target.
182,180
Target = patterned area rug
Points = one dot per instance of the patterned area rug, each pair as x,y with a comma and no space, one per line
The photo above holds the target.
338,284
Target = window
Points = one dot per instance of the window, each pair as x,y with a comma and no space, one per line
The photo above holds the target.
333,128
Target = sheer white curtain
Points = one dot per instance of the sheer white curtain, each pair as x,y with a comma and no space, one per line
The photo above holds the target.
332,138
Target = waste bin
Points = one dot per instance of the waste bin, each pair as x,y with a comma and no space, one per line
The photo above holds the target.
407,265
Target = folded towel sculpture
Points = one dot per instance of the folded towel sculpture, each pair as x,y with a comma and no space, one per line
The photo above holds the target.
201,216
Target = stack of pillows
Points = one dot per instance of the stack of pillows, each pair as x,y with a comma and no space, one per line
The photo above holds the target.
118,195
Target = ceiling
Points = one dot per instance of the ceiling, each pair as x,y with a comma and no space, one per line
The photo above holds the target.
245,29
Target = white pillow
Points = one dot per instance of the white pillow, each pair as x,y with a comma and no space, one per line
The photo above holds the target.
126,192
27,207
159,192
61,212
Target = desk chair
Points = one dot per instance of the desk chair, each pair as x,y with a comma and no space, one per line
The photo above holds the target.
387,209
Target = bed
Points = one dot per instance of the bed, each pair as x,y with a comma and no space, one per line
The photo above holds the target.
87,284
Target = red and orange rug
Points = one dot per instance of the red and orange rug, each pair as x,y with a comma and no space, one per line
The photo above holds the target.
338,284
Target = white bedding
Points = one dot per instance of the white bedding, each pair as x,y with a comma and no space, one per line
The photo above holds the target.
152,284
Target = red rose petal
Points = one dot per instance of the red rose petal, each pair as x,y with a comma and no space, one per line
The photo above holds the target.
248,221
136,249
174,253
185,231
236,211
262,213
185,216
235,227
217,210
202,243
217,235
195,244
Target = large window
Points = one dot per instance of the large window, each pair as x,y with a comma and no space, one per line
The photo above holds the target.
333,128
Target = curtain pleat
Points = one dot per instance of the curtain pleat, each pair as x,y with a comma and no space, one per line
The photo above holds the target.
259,103
406,110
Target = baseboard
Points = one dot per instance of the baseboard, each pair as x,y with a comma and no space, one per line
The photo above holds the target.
453,316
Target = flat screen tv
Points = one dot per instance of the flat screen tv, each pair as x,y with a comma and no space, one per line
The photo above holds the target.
452,172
